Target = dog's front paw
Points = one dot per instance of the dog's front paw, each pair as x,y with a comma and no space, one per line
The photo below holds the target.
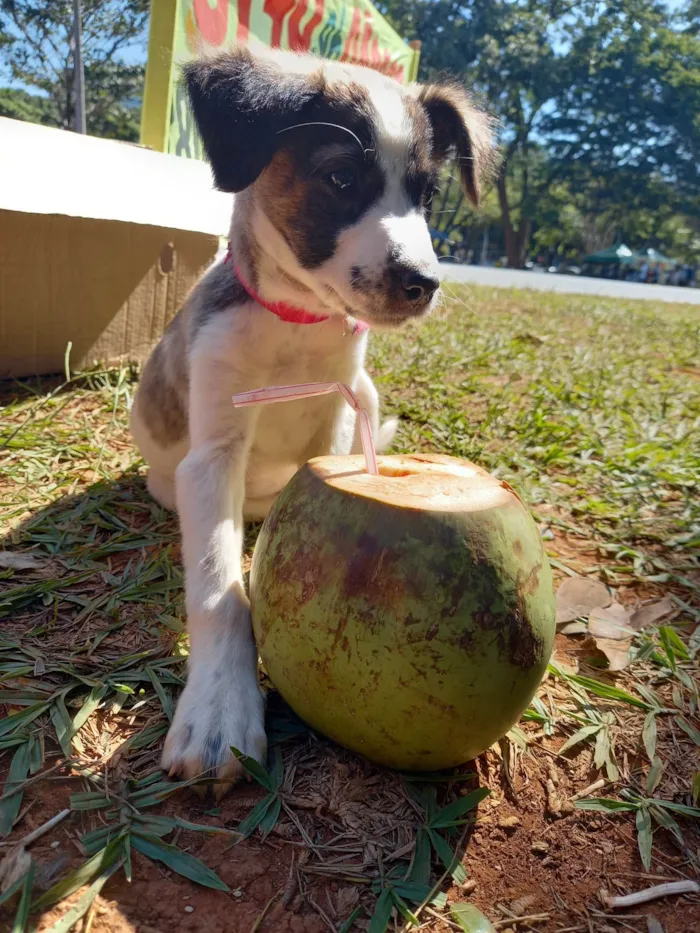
216,712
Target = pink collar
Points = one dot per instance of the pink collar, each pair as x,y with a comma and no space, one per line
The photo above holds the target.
285,312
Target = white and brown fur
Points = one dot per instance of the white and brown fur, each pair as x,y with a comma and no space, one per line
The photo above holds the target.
333,166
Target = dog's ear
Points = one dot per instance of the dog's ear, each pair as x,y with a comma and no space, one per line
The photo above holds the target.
461,132
240,103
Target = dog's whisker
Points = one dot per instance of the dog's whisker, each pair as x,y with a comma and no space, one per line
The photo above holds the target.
336,126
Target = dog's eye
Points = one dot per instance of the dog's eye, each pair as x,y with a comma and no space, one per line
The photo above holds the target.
344,179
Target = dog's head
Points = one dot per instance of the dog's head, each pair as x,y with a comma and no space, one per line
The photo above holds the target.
343,163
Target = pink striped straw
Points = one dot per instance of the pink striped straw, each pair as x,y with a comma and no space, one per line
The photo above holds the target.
308,390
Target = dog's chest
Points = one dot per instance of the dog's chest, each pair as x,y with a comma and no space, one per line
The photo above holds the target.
289,433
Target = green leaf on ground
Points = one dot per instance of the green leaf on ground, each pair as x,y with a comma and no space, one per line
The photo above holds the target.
22,916
449,815
78,878
644,836
254,769
470,919
181,862
449,859
379,920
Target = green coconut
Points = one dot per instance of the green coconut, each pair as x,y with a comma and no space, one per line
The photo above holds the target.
408,615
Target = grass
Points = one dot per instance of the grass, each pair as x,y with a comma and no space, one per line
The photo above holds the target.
589,407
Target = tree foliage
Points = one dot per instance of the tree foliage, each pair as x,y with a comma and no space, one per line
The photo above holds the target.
593,96
36,58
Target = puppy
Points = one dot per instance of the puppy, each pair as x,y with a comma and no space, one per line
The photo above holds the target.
334,167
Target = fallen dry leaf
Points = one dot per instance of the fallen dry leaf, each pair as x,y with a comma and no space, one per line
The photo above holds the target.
610,622
617,652
609,629
651,613
14,560
574,628
14,866
577,596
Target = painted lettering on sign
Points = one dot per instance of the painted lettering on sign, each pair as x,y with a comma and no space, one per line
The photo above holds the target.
345,30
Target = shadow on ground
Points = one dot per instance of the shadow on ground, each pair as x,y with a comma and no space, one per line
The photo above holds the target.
92,651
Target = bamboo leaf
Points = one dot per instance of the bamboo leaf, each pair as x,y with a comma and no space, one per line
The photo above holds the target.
12,890
162,825
22,915
83,904
100,862
412,890
644,836
470,919
89,706
649,734
651,697
254,769
128,871
579,737
13,791
603,805
669,636
425,797
665,820
600,689
611,769
165,699
689,730
36,753
97,839
256,816
678,808
404,909
654,776
420,868
18,720
379,920
267,823
602,747
454,811
686,680
448,858
276,768
181,862
90,800
62,724
347,925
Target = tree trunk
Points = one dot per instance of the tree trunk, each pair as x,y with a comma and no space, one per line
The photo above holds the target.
515,240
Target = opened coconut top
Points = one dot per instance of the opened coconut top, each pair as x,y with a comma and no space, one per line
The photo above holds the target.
416,481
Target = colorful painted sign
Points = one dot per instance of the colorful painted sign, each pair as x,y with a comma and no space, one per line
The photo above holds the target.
346,30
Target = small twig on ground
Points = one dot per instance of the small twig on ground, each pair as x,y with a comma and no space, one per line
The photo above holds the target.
442,918
44,828
323,915
530,918
261,916
591,789
650,894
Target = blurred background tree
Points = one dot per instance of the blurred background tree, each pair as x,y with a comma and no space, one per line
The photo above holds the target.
36,63
597,101
599,111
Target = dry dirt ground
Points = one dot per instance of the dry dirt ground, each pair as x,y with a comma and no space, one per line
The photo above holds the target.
591,409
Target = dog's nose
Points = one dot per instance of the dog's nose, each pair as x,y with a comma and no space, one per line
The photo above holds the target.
418,285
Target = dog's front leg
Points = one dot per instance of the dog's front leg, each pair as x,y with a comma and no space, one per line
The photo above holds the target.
222,704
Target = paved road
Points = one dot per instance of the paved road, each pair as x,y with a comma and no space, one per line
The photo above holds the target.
570,284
